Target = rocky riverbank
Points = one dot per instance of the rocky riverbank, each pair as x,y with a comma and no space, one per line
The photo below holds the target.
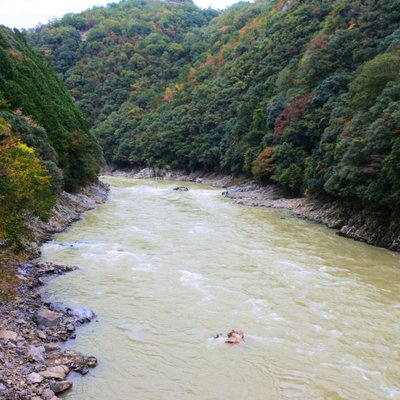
367,224
32,364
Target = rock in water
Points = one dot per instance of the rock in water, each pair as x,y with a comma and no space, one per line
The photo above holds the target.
47,318
83,314
181,189
235,337
58,387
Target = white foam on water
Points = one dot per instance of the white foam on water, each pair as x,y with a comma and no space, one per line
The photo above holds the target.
135,229
216,341
153,190
276,317
362,370
391,392
199,229
143,268
256,305
191,279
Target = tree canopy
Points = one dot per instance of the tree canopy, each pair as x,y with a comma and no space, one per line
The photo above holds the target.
303,93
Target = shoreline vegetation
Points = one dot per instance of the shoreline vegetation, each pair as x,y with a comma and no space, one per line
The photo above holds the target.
365,224
33,365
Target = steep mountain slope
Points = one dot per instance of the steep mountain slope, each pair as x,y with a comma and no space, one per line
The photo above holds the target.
119,59
305,94
45,144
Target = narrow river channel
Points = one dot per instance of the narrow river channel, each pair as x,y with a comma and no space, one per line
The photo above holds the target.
165,271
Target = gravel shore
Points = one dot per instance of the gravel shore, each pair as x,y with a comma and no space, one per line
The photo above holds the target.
32,363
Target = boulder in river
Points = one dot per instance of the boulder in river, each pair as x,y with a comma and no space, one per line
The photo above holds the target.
181,188
58,387
83,314
235,337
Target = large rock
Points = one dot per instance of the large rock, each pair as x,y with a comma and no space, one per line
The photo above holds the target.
47,318
58,372
35,378
83,314
58,387
8,335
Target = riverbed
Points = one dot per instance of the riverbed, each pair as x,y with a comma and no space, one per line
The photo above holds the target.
165,271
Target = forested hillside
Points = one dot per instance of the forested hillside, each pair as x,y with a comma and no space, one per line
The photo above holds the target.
45,144
303,93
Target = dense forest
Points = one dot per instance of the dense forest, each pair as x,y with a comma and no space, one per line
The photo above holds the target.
45,143
303,93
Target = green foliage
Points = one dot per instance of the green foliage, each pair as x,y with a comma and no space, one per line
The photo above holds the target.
304,93
24,185
55,126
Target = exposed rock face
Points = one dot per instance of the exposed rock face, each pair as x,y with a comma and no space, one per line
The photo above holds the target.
215,179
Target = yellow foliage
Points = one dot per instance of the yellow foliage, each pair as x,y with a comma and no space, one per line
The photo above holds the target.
24,185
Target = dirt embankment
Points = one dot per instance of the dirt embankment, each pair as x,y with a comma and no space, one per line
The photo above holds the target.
32,364
374,226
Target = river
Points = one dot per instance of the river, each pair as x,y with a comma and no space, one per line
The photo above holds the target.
165,271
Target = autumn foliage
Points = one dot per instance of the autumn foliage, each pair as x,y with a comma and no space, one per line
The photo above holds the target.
25,185
292,113
262,166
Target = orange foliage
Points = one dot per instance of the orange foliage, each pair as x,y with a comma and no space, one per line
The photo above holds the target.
262,166
292,113
15,54
168,95
210,61
220,57
192,73
319,42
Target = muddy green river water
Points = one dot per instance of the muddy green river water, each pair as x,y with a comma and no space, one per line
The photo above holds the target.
165,271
